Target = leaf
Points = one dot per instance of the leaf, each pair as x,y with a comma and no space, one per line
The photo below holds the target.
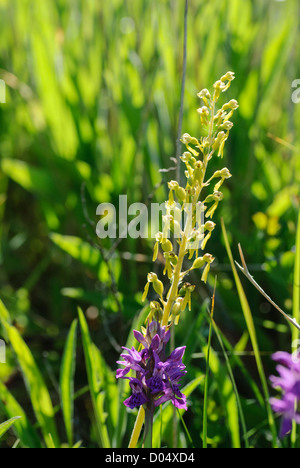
94,381
67,372
7,424
84,253
36,386
296,283
252,333
33,179
22,426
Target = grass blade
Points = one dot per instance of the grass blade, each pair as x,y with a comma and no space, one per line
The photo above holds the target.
37,389
204,433
24,430
296,285
230,372
67,372
94,382
252,333
7,424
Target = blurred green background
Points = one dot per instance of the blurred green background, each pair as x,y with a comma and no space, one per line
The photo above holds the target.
93,96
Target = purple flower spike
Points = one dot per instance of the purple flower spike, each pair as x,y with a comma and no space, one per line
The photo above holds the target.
289,383
157,378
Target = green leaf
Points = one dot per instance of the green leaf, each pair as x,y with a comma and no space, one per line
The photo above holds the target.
33,179
252,333
67,372
95,382
296,283
36,386
7,424
22,426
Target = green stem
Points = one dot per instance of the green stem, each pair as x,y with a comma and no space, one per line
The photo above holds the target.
148,427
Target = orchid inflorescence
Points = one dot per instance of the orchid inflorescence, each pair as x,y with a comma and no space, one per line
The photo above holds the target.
156,377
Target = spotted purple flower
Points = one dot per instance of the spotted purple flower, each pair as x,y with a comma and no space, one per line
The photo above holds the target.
289,383
157,378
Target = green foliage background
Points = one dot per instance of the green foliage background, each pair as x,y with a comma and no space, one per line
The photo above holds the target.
93,96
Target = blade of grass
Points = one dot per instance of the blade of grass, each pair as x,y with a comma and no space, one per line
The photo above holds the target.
296,310
67,372
246,272
39,395
230,372
252,333
24,430
296,284
94,383
205,403
7,424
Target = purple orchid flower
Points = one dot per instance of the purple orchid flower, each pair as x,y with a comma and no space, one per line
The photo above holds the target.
289,383
157,378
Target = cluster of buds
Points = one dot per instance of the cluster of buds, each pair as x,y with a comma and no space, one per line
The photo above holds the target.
156,379
199,225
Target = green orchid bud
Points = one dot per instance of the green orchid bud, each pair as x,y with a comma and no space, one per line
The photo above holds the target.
180,193
186,157
156,310
198,263
229,76
177,307
167,245
173,184
208,258
186,139
151,277
219,86
158,287
209,226
225,173
204,115
219,140
204,94
232,105
227,125
198,171
218,196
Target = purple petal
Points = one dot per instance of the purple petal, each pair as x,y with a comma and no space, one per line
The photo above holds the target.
140,338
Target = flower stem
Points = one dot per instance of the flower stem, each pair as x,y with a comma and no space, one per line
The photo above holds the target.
148,428
137,428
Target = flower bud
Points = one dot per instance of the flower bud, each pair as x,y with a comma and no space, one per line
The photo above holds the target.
233,105
173,184
229,76
158,287
177,307
187,139
180,193
208,258
209,226
204,94
167,246
225,173
198,263
186,156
